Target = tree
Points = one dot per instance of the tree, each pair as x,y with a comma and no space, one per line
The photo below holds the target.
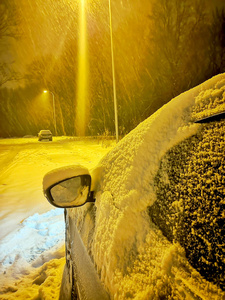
9,29
179,48
217,47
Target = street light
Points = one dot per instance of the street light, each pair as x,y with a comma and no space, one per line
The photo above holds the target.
53,101
113,73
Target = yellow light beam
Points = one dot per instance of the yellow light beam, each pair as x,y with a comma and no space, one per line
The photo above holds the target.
82,79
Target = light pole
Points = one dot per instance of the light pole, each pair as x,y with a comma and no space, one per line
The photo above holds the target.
113,73
53,101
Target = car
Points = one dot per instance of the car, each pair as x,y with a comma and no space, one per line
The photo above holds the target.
45,135
148,221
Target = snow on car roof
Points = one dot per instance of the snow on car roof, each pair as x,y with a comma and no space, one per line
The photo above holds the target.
141,150
45,131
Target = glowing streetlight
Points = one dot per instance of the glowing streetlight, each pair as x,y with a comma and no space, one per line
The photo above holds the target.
113,73
82,98
53,101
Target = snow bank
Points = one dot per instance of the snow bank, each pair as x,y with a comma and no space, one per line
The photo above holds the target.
37,283
48,229
28,255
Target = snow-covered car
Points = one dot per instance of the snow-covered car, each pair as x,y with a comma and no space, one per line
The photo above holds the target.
45,135
152,226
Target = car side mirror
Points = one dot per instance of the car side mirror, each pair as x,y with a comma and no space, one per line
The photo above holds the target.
68,187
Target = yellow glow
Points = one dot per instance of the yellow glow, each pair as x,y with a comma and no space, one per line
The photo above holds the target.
82,97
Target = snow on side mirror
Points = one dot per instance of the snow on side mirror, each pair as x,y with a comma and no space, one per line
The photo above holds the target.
68,187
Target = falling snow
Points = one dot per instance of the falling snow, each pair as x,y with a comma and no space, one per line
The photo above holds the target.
138,252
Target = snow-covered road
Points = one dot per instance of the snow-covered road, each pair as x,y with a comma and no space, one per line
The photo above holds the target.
24,162
32,231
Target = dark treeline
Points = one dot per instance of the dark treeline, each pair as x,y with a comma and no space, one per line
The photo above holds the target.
160,51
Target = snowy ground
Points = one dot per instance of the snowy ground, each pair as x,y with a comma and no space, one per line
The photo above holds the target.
32,232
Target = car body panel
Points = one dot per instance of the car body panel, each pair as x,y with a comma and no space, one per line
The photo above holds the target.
136,233
85,277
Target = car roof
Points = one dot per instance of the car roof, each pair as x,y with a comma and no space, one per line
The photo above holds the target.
45,131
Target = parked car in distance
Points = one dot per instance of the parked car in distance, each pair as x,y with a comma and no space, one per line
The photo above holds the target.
45,135
148,222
